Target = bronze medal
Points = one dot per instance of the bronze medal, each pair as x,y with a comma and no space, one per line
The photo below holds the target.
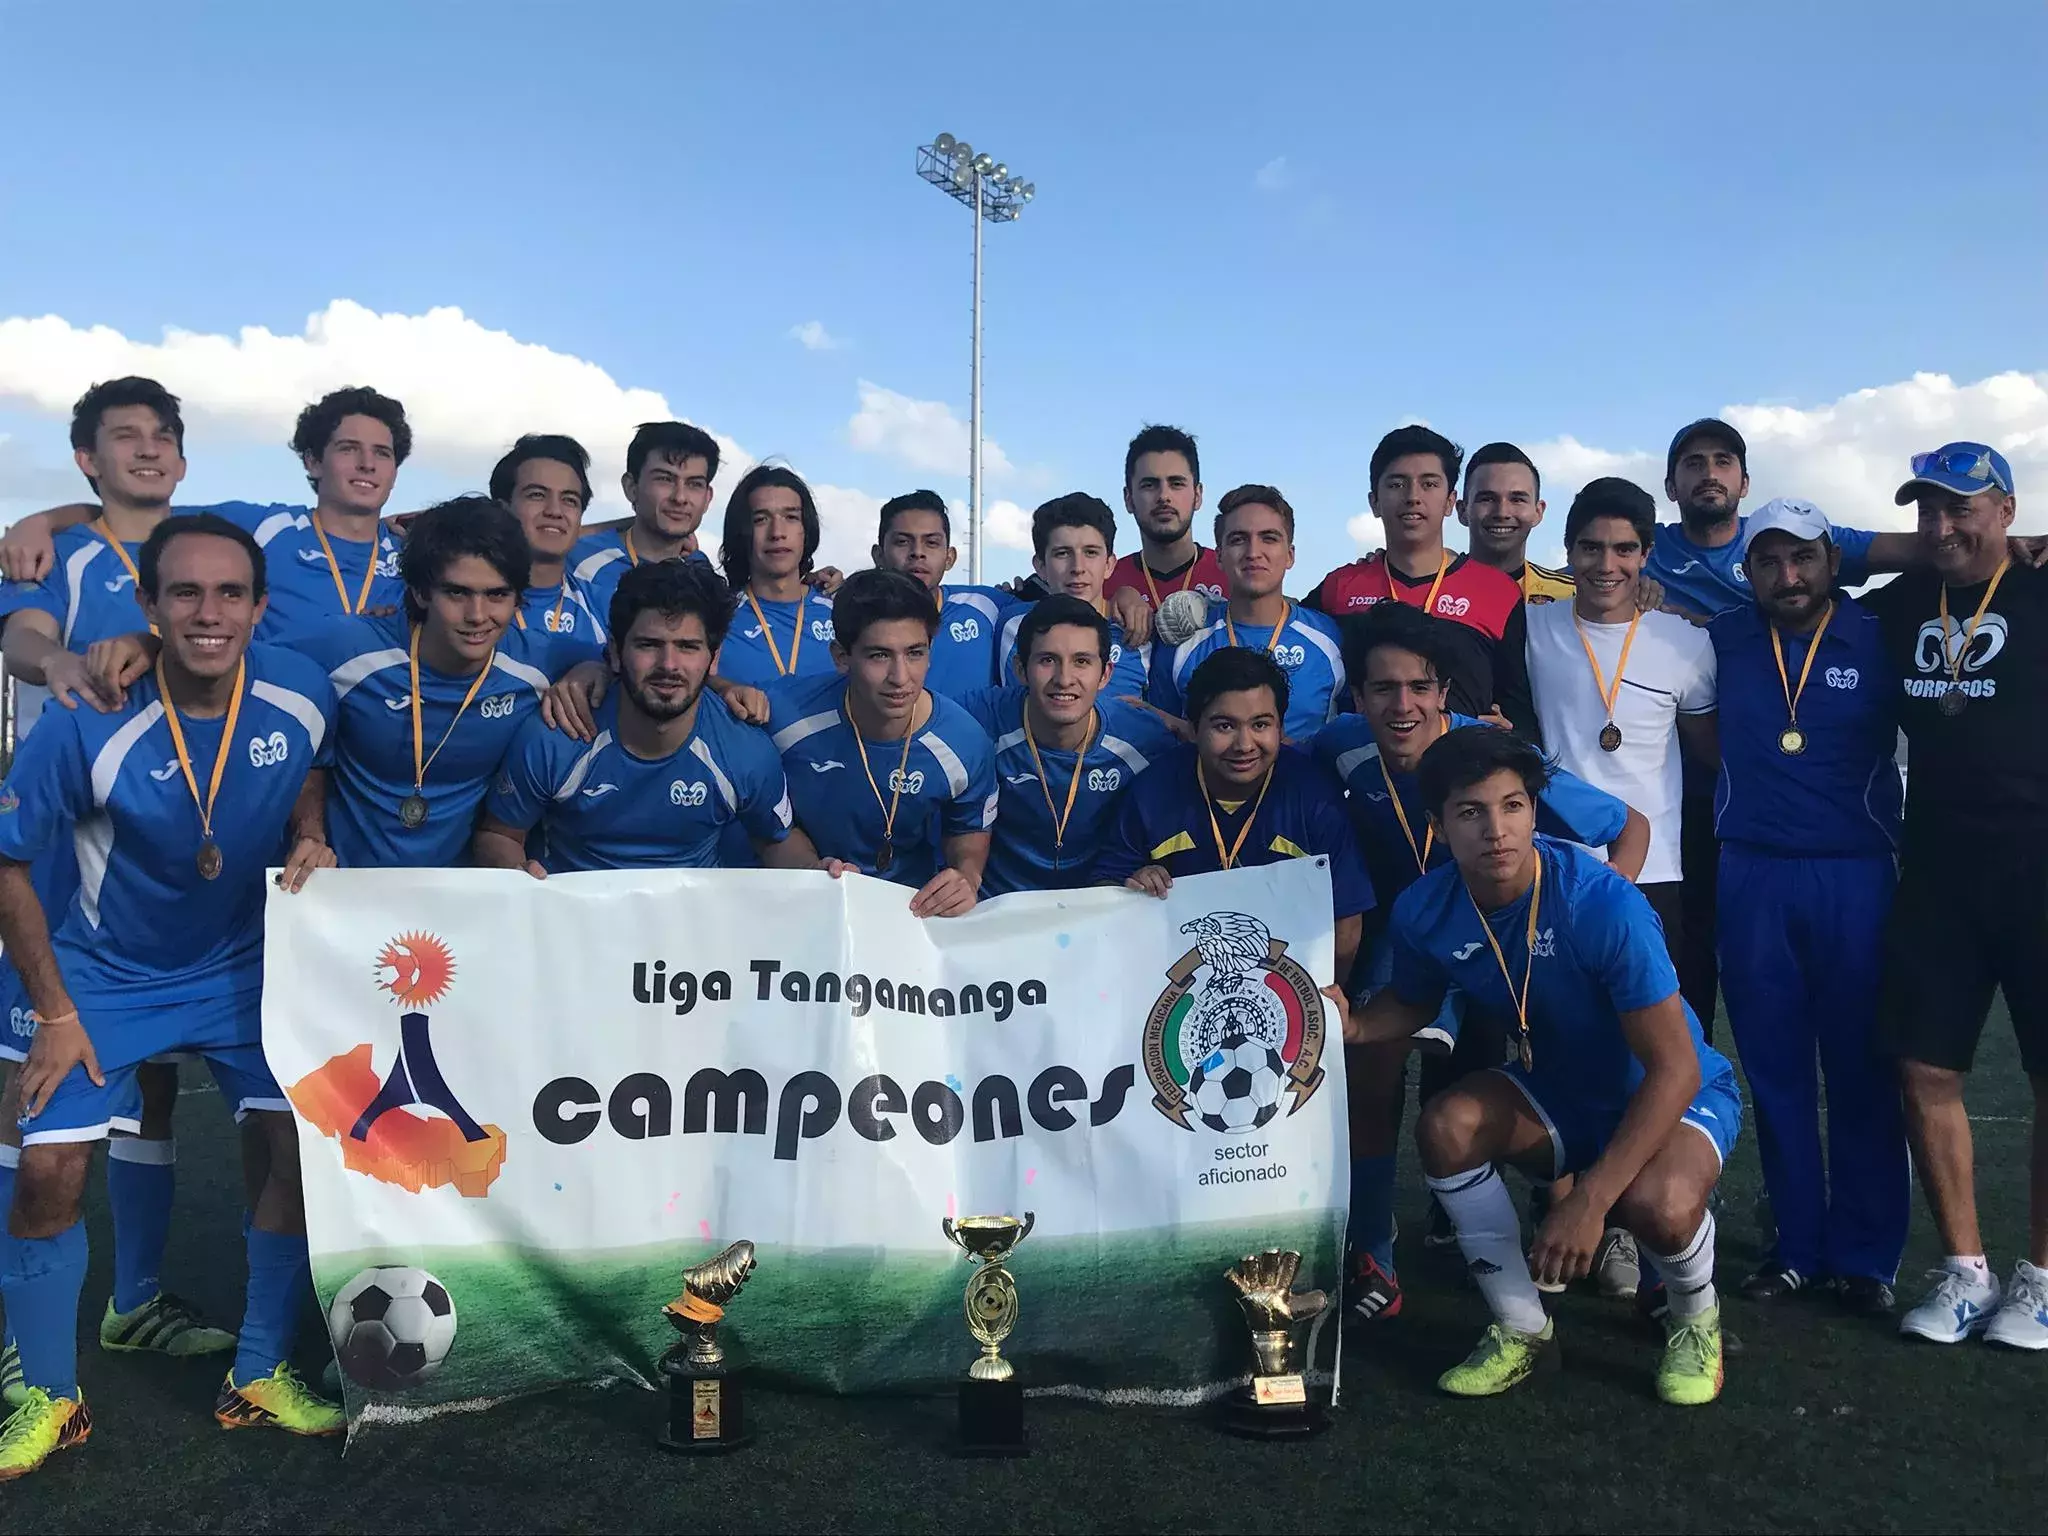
1952,702
884,857
412,811
1528,1056
1792,741
1610,737
209,861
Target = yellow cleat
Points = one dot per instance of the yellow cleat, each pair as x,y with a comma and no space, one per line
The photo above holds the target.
1690,1374
277,1401
42,1426
1504,1358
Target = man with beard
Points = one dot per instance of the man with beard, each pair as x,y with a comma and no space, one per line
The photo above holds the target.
1502,504
545,480
782,627
669,469
1163,492
1807,814
669,771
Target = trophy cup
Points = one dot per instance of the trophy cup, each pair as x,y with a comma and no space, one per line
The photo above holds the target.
1277,1404
705,1413
991,1399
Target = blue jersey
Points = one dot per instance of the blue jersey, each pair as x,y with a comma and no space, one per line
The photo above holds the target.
1130,666
1599,953
366,660
964,645
306,587
1840,797
600,559
600,807
564,609
1305,643
1167,820
945,787
1021,854
1709,582
782,640
144,927
1568,808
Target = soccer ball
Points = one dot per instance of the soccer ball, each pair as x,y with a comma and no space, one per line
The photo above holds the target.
393,1326
1238,1087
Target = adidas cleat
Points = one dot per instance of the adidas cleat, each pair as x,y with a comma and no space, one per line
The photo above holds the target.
13,1390
162,1325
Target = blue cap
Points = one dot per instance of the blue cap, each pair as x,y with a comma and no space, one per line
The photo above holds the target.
1963,468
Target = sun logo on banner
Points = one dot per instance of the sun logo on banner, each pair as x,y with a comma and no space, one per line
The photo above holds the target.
1238,1029
416,969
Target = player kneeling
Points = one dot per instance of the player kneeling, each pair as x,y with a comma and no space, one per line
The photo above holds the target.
180,799
1614,1081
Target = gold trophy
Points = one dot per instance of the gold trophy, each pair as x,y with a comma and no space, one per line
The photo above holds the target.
991,1399
705,1411
1277,1405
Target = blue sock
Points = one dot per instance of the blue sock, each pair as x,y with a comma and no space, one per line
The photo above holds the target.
9,1158
1372,1209
278,1269
141,1177
41,1282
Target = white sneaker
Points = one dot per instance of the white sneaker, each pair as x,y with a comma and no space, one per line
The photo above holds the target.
1959,1305
1616,1266
2022,1320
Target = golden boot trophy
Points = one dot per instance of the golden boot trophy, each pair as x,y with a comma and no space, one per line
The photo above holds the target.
705,1410
991,1399
1277,1405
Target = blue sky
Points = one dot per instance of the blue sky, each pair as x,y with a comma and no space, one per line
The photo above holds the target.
1287,229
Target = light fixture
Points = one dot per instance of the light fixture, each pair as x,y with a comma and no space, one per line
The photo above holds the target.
1000,174
1026,192
983,164
963,152
942,146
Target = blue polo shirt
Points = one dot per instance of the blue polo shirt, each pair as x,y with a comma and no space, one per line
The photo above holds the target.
1709,582
1841,797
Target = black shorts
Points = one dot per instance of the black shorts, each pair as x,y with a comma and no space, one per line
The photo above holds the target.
1667,900
1966,922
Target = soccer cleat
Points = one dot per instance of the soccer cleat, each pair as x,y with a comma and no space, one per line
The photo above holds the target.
277,1401
2022,1320
1616,1266
1374,1292
1864,1296
162,1325
1503,1359
1773,1281
41,1427
13,1390
1959,1305
1690,1372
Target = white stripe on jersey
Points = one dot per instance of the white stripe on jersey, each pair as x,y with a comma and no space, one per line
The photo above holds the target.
797,730
592,564
275,524
92,840
979,602
726,792
1010,740
1130,754
297,705
581,770
106,767
1329,648
357,668
1356,757
949,760
1186,649
74,585
591,613
532,676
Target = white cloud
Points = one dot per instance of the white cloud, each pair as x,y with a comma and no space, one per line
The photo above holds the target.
1276,175
1367,531
815,337
468,391
1008,525
922,434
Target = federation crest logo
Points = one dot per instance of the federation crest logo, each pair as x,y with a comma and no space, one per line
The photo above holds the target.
1238,1030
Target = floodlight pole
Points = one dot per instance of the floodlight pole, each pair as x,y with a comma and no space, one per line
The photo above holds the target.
974,413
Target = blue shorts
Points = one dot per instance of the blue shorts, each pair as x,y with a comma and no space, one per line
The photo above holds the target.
124,1038
1579,1133
17,1026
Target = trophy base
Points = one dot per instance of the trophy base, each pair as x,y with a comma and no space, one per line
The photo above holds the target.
1283,1411
992,1419
706,1413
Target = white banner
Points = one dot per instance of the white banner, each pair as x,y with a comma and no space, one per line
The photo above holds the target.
525,1107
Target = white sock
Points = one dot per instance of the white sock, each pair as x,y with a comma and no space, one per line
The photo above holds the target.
1490,1237
1971,1266
1689,1275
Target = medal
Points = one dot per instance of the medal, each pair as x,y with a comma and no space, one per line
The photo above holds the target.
1951,703
1610,733
1060,818
1521,999
1227,858
885,855
1792,741
412,810
209,860
334,569
1528,1057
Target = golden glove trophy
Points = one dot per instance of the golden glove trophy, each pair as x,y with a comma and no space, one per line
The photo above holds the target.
1277,1405
705,1412
991,1399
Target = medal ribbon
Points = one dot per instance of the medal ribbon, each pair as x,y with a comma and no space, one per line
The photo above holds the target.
1059,818
1272,644
1955,662
220,757
1443,566
419,768
555,618
1229,856
1529,968
896,794
1609,692
1186,582
632,555
796,641
334,570
99,526
1401,815
1794,695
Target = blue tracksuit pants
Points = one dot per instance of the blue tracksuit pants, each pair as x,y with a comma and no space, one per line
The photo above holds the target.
1801,944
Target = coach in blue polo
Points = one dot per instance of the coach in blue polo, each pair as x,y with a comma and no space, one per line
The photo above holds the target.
1807,810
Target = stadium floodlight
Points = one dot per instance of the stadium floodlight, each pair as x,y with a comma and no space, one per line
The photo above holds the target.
995,193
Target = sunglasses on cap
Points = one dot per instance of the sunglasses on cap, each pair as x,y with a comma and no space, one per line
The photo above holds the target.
1964,463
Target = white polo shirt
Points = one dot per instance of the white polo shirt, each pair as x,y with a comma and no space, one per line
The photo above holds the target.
1670,673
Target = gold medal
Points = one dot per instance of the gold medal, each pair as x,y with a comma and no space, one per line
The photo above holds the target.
412,811
1792,741
1610,733
1060,818
209,859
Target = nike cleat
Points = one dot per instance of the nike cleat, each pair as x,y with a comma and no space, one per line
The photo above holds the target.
162,1325
41,1427
1690,1374
1503,1359
277,1401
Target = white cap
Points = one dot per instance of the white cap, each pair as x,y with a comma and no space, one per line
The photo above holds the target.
1786,514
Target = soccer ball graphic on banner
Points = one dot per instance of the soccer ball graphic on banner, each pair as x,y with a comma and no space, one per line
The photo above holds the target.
1237,1086
393,1326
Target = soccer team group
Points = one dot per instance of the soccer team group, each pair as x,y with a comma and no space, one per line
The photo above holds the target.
1560,810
